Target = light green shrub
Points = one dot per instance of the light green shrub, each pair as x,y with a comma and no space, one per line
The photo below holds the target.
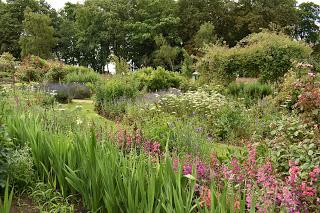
265,55
56,72
7,66
157,79
80,75
20,167
112,95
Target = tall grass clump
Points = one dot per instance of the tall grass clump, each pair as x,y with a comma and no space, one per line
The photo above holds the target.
5,203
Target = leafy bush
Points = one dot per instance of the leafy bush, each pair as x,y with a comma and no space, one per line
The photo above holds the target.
80,75
32,68
7,66
158,79
293,140
265,55
6,147
223,119
74,77
250,92
56,72
229,123
300,91
115,91
122,66
20,167
253,90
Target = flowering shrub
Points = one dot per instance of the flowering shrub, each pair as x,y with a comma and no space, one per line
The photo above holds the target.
301,91
192,102
223,119
292,139
293,192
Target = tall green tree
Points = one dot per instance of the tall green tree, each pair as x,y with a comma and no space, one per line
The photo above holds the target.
38,35
11,18
92,38
67,36
308,26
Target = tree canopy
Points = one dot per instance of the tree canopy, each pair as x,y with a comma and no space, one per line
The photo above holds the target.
89,34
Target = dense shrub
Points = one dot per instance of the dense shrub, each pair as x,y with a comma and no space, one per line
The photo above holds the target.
7,66
300,91
253,90
36,69
20,167
265,55
293,140
6,148
224,120
32,68
157,79
80,75
250,92
56,72
114,93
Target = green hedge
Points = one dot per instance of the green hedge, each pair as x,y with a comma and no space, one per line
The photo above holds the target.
157,79
264,55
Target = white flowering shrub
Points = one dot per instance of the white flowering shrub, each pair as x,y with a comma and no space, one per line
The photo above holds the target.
192,103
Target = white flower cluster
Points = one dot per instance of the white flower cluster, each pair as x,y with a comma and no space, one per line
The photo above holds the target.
194,102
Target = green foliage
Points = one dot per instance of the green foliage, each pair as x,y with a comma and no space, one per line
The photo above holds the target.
5,204
230,123
165,55
38,36
5,150
250,92
56,72
20,167
156,79
293,140
222,119
187,64
80,75
265,55
92,180
59,72
49,199
112,95
122,67
32,68
63,96
308,28
206,35
7,66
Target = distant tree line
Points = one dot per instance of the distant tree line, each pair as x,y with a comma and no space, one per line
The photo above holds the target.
145,32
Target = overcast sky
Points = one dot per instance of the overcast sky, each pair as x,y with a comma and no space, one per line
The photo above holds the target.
58,4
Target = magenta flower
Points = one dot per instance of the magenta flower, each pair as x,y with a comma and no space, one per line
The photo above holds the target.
187,169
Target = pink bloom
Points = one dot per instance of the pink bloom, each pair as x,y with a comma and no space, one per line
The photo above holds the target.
187,169
201,170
